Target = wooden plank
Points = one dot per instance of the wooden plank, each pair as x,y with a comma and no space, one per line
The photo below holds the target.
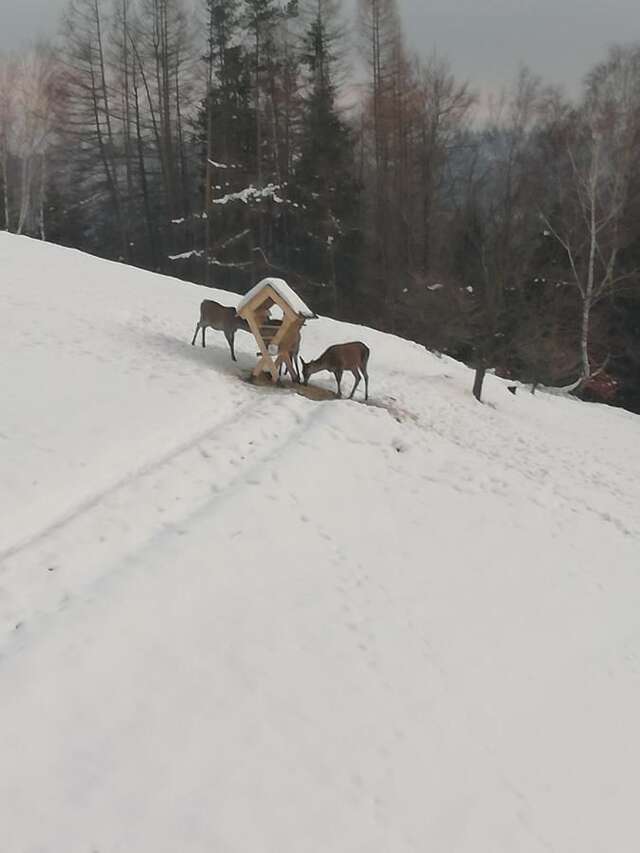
267,293
266,365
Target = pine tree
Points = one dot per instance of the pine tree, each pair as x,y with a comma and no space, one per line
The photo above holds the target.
383,51
222,18
325,187
259,20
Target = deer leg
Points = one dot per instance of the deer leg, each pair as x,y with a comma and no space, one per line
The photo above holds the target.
281,362
230,336
366,382
203,328
292,367
356,375
195,334
338,375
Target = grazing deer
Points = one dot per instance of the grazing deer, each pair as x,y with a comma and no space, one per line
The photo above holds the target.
338,358
288,350
223,319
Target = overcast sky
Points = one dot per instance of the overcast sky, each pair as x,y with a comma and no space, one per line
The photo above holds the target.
483,39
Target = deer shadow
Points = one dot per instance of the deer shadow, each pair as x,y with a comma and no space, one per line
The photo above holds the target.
216,354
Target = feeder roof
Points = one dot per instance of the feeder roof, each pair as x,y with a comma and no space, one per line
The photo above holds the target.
282,289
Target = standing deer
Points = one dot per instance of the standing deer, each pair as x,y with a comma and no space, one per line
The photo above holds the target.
288,350
338,358
223,319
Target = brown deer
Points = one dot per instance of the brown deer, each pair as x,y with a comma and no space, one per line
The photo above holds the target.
223,319
338,358
288,350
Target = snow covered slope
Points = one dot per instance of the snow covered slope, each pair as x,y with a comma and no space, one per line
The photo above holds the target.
234,620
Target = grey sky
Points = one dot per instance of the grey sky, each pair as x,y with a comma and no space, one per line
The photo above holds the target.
483,39
23,21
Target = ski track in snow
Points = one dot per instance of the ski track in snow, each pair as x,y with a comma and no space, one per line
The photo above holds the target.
145,470
238,620
72,548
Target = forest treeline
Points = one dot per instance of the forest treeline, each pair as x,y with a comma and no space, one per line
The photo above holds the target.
249,137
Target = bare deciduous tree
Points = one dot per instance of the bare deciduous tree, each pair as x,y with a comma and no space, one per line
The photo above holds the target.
28,90
8,84
597,146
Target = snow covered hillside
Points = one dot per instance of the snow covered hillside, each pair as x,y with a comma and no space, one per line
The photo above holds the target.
234,620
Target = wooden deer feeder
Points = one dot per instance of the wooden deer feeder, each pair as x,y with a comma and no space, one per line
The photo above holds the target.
255,308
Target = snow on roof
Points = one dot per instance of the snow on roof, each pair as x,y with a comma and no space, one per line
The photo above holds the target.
282,289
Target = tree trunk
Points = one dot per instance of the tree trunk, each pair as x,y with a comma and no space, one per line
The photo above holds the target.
25,192
128,153
261,229
5,188
143,175
166,110
208,158
163,107
477,382
207,195
43,192
104,94
584,339
182,160
258,116
588,293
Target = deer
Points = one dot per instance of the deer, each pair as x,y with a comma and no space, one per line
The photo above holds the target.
353,356
288,350
223,319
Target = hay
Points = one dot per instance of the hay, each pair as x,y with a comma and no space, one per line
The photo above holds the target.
311,392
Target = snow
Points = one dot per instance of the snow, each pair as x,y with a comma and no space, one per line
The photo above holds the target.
223,165
251,194
234,619
282,288
182,219
183,256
